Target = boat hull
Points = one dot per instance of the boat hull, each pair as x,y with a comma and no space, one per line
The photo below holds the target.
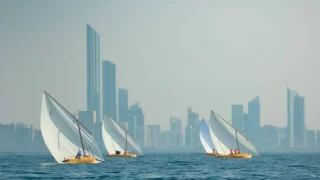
245,156
123,155
84,160
211,154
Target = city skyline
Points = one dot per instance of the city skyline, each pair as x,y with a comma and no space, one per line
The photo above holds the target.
152,72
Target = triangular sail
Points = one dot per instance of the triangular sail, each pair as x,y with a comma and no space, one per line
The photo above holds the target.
60,131
229,135
116,137
211,139
205,137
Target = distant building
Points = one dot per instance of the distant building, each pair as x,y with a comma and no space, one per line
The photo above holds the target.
132,126
7,137
311,139
188,137
253,121
155,135
93,71
192,138
136,110
109,99
176,132
123,105
165,140
24,137
237,117
295,119
88,119
270,138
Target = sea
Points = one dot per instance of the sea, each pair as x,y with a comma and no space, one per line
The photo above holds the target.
165,165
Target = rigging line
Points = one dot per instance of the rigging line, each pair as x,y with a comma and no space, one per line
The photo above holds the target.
229,124
121,127
74,119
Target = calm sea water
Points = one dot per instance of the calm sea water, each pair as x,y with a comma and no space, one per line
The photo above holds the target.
165,166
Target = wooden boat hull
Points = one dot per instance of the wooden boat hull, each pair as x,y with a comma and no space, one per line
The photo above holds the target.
245,156
84,160
211,154
123,155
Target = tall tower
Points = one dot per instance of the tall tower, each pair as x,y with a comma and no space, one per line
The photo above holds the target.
109,89
123,105
237,117
295,119
93,71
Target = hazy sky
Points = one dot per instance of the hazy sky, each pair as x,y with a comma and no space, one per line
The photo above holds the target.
206,54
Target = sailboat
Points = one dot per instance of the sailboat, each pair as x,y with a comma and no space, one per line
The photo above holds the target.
64,135
117,139
230,137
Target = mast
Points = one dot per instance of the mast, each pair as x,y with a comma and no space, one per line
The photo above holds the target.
237,141
232,127
84,153
126,140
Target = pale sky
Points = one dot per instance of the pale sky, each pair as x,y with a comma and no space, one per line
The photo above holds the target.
169,54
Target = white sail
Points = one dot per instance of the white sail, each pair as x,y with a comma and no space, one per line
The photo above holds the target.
205,137
114,138
60,132
227,134
210,141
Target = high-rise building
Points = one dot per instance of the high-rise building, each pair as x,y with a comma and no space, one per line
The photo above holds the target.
109,89
132,125
165,140
192,138
311,139
188,137
253,123
93,71
7,137
176,132
299,122
295,120
123,105
88,119
237,117
155,135
136,110
193,118
270,137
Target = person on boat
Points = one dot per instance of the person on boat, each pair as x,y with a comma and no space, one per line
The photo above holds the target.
79,154
125,153
237,151
231,151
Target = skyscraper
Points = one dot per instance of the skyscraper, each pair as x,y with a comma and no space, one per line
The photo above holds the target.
176,132
253,124
109,89
123,105
295,119
237,117
136,110
299,122
93,71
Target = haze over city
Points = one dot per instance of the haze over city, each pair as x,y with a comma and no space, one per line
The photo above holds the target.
170,55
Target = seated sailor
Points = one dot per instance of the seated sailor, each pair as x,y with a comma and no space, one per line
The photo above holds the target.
125,152
117,152
79,154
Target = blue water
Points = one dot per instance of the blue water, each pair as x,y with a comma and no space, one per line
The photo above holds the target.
165,166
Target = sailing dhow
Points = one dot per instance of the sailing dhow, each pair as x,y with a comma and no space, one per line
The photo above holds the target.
117,140
64,135
231,138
